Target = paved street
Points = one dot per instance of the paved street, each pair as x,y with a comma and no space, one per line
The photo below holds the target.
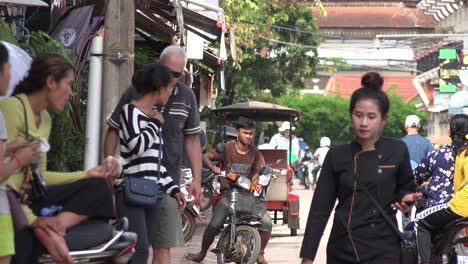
282,248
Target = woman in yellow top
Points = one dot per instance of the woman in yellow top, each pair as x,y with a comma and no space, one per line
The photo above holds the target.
82,195
434,218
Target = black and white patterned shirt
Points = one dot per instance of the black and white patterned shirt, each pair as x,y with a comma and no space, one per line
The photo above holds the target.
140,144
438,168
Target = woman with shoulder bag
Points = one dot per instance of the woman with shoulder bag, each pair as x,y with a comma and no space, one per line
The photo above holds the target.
81,195
141,146
370,166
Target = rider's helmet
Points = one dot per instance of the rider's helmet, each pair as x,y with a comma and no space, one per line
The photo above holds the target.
325,142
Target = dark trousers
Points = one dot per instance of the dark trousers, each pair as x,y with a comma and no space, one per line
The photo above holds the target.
428,221
391,258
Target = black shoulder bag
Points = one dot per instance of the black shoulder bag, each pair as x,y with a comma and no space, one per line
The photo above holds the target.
33,187
408,253
140,191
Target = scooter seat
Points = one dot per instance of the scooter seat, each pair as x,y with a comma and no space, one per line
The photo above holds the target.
88,234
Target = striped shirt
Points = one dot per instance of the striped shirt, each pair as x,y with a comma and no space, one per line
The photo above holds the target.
140,144
183,119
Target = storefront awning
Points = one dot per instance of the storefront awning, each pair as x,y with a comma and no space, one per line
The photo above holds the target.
159,19
24,2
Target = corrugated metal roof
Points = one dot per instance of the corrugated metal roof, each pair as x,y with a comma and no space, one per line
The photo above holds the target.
373,17
344,85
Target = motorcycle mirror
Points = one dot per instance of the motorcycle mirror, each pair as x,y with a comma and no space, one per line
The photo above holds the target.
280,161
264,170
220,148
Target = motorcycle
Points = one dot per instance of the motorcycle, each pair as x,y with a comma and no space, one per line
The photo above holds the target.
98,242
190,213
240,240
304,168
450,243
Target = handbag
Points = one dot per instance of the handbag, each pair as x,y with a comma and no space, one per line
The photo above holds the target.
140,191
408,252
33,187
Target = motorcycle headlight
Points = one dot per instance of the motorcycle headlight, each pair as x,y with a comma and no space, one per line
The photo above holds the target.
244,182
264,180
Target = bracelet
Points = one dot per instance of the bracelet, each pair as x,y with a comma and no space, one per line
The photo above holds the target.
18,162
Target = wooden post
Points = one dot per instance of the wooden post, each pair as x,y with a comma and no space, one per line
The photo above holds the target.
119,46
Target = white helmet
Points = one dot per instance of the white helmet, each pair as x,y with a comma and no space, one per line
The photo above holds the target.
325,142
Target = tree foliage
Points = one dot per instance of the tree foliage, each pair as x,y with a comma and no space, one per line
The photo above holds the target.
276,47
328,116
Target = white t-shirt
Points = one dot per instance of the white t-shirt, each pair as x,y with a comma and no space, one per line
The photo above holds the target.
278,141
321,153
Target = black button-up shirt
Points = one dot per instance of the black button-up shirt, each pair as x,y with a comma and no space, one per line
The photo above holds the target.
359,231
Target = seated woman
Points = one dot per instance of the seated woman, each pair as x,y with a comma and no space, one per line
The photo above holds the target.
18,154
82,195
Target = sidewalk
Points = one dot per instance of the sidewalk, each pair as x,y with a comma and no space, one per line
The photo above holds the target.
282,247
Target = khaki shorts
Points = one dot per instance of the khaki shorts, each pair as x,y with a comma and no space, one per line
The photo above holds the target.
168,224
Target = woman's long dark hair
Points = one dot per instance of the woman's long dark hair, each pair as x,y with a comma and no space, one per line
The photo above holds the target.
458,132
43,66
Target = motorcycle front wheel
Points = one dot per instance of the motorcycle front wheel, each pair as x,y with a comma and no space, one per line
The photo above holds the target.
246,248
189,225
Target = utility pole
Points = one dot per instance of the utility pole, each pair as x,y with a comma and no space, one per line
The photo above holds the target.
119,46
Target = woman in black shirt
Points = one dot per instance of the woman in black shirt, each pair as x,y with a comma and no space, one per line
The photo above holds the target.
360,233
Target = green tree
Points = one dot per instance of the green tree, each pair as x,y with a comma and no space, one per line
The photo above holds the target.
276,47
328,116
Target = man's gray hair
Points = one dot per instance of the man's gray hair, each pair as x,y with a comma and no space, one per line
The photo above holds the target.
173,51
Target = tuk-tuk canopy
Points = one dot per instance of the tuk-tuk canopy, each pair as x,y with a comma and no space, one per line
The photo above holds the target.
258,111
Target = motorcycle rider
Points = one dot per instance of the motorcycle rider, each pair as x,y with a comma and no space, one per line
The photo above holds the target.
305,156
320,155
243,158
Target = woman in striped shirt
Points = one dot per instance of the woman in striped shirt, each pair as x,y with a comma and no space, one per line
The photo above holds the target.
140,145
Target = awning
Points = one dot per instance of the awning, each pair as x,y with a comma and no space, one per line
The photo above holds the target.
24,2
159,20
258,111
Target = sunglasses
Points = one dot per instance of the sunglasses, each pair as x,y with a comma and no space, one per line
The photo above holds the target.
176,74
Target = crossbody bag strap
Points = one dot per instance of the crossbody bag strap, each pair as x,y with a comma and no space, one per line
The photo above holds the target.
160,153
381,210
168,106
27,175
26,128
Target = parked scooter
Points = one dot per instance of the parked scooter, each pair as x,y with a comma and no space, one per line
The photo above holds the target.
190,213
99,242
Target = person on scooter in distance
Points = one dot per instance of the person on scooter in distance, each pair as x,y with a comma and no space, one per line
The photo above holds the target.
304,156
320,155
242,158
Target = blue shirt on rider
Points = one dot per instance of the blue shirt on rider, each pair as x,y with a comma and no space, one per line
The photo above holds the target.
437,167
